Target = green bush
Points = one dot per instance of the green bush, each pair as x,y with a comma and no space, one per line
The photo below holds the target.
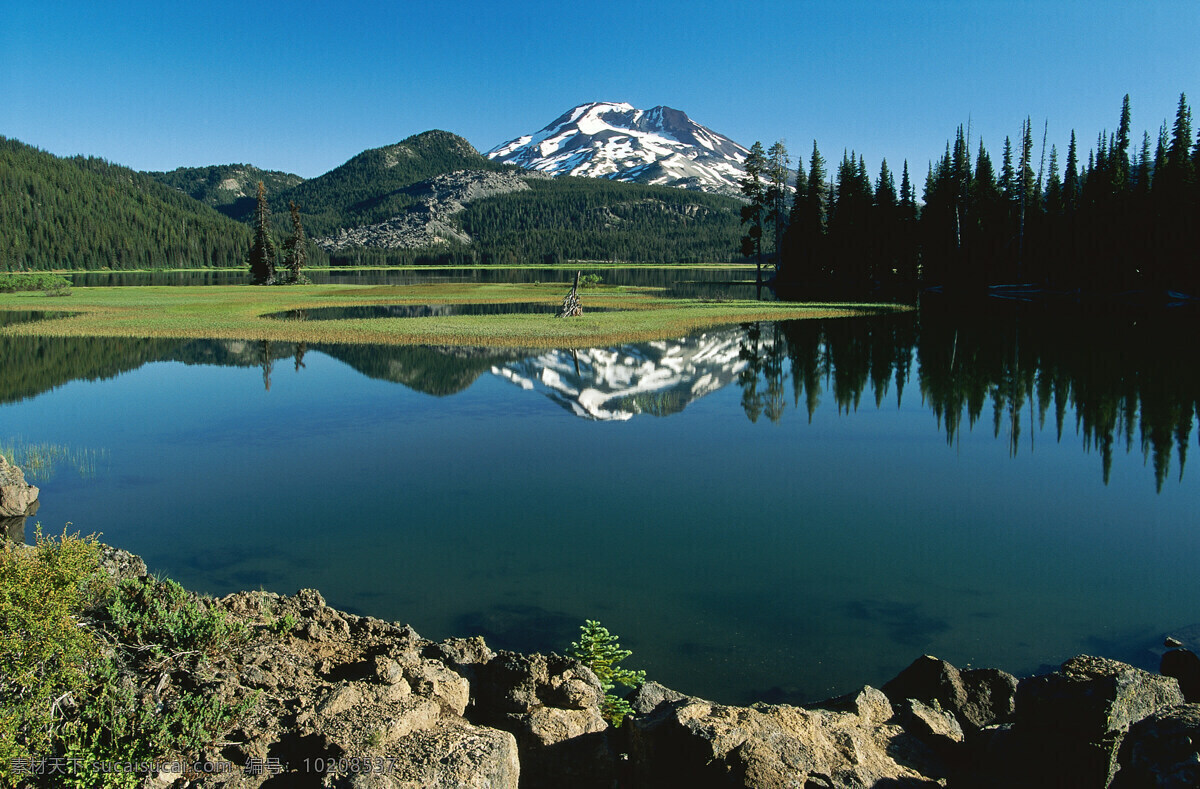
81,667
599,650
124,720
165,619
45,651
52,284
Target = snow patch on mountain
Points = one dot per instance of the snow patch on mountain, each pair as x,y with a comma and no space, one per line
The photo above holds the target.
660,146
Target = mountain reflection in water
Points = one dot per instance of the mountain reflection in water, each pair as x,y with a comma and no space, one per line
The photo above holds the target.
1129,380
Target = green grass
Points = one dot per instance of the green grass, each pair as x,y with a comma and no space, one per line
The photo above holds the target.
237,312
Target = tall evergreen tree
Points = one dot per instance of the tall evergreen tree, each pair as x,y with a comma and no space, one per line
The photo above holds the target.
753,188
907,219
296,247
262,254
776,196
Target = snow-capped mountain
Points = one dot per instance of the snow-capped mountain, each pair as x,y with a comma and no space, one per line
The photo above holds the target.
659,146
614,384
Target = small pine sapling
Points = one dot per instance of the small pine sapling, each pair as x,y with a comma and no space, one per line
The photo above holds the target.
599,650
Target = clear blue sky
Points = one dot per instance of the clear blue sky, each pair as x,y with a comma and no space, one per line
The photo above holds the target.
303,86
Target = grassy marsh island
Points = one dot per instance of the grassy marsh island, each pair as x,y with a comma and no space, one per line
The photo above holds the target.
240,312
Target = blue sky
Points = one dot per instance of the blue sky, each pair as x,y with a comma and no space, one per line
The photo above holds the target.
302,87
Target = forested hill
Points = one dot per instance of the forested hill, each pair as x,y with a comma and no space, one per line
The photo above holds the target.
83,212
368,188
595,219
230,188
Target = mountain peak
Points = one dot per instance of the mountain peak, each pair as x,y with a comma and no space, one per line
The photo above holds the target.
616,140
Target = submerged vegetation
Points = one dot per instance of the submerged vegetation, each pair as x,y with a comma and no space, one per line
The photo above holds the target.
39,460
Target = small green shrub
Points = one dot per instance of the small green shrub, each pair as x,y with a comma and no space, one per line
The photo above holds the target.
11,282
284,624
123,722
44,649
166,619
599,650
590,280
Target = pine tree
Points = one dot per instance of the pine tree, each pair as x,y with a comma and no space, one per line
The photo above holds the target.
752,188
262,254
600,651
776,195
295,249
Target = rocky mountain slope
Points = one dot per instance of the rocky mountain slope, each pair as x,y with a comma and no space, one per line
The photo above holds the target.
660,146
428,221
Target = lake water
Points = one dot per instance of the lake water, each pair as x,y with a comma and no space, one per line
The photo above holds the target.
770,511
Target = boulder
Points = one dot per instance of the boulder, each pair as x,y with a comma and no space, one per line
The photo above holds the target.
1183,665
16,495
551,704
1162,750
1093,697
934,726
690,742
976,697
454,753
646,697
1071,722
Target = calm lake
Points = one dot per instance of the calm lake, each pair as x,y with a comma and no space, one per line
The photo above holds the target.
769,511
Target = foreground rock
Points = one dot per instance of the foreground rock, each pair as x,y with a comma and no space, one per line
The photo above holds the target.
692,742
17,497
350,701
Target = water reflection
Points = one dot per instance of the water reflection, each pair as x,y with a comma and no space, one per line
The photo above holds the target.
614,384
1128,379
11,317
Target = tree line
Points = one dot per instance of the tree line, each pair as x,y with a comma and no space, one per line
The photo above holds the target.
1124,219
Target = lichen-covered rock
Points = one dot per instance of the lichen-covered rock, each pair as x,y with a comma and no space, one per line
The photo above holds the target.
453,754
646,698
121,565
698,744
935,726
1162,750
16,495
1071,722
514,683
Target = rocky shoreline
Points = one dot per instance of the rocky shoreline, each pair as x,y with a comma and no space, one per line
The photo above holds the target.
356,702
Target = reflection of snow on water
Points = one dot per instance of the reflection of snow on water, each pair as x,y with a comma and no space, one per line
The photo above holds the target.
605,383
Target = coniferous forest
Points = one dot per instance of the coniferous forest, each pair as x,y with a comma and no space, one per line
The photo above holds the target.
1119,217
85,213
